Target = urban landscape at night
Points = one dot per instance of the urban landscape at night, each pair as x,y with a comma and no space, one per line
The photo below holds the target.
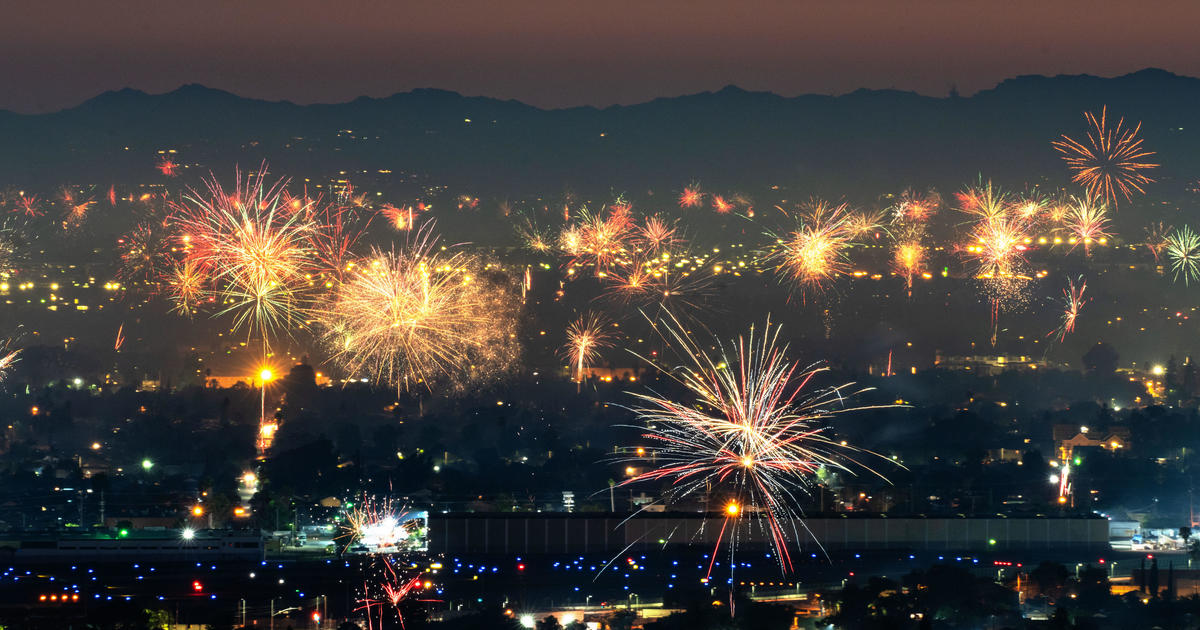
661,316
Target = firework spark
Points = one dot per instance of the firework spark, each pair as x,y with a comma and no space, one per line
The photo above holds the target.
382,525
909,257
657,234
8,358
915,207
187,286
983,201
167,166
1183,251
815,252
1072,302
1109,161
400,218
334,238
691,197
1156,238
864,223
258,256
145,255
533,238
14,243
29,205
586,337
752,433
1087,221
420,315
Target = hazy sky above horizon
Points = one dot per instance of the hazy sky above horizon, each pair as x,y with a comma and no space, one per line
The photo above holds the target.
553,53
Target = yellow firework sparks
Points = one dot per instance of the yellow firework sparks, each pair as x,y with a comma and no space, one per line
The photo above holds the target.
815,252
187,287
983,201
585,338
1087,221
909,257
420,315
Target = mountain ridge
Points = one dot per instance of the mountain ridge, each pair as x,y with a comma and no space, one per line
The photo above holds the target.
863,142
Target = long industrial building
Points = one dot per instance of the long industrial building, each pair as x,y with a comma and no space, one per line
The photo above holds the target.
548,533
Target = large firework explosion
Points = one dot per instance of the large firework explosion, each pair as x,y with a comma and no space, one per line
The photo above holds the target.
419,315
1109,161
751,434
256,252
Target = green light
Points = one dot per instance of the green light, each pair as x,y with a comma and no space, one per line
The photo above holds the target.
147,464
124,533
1078,460
991,541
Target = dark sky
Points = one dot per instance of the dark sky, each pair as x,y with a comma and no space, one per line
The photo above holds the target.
55,53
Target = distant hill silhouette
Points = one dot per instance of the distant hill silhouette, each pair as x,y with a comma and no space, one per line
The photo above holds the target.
854,144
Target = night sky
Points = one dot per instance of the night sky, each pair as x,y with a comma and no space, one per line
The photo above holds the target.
560,52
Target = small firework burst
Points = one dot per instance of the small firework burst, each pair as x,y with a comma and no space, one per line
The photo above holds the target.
1087,221
1156,238
656,234
167,166
187,287
1072,302
586,337
1183,252
691,197
815,252
1110,161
